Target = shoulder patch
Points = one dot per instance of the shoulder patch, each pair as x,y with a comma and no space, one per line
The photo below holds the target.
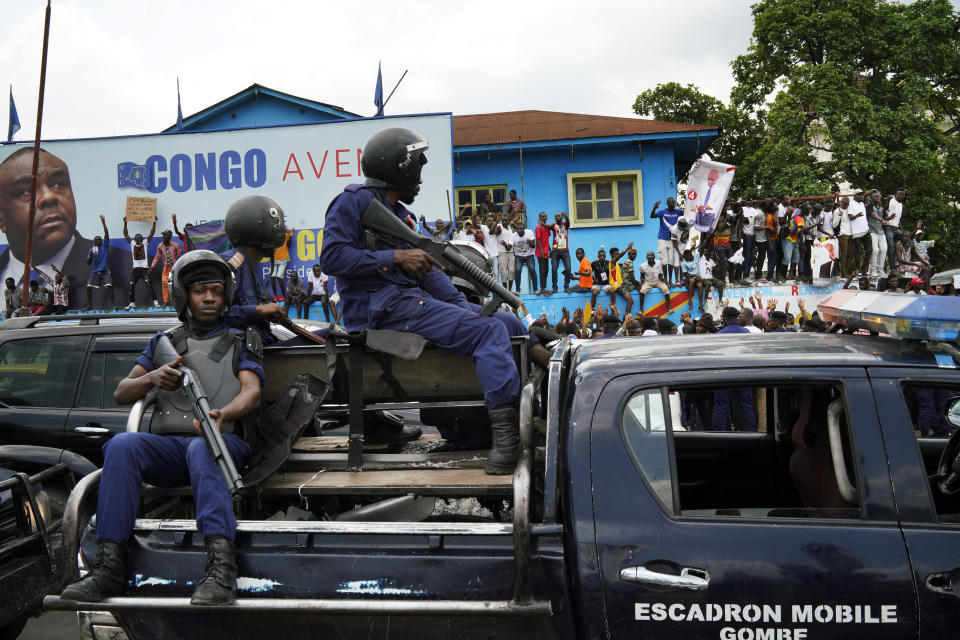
235,261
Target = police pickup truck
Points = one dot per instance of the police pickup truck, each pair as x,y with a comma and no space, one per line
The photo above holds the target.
645,504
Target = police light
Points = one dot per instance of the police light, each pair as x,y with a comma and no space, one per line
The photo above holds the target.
899,315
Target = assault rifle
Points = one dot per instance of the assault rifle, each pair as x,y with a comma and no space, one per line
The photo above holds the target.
380,220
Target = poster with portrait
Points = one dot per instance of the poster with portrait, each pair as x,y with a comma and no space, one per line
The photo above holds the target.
707,186
825,260
86,188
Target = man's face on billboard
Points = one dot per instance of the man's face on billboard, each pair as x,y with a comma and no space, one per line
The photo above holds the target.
56,216
712,177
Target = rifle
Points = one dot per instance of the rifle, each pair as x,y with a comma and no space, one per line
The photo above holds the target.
285,321
381,220
190,385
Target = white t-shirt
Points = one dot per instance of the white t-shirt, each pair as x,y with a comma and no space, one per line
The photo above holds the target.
826,220
520,247
750,215
844,222
506,235
315,283
859,226
463,235
490,242
706,267
753,329
651,272
896,210
139,263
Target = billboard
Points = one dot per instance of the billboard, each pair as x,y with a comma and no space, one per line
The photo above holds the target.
195,176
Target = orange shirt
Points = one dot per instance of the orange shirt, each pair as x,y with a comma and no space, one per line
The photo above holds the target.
586,281
283,252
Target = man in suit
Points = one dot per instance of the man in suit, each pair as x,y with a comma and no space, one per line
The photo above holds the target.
56,241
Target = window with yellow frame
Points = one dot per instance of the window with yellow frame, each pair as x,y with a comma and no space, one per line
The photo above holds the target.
473,196
604,199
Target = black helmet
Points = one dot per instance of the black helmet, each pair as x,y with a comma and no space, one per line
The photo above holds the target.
213,269
393,158
255,220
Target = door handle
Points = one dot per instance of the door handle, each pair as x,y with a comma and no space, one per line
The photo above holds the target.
689,578
92,430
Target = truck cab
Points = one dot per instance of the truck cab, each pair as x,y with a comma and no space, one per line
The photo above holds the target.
730,486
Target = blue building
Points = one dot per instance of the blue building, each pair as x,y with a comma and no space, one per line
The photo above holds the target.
606,172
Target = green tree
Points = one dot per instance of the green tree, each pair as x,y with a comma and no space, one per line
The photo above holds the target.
830,91
678,103
863,91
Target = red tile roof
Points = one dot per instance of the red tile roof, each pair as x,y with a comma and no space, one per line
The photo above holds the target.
511,126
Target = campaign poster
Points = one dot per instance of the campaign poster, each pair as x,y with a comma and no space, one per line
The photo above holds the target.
707,186
825,260
195,176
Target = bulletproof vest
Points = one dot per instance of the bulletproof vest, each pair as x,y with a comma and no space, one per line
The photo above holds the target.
214,361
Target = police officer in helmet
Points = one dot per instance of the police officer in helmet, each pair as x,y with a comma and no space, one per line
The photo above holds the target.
398,287
255,227
172,453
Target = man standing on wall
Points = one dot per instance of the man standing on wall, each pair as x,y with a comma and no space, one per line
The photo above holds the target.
166,256
281,258
543,233
669,258
97,258
560,250
141,265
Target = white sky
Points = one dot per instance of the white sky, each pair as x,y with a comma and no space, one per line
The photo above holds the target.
113,65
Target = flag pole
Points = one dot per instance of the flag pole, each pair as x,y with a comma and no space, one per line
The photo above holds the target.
394,89
28,258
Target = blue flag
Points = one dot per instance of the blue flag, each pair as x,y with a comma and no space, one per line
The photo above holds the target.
179,110
14,124
378,94
131,174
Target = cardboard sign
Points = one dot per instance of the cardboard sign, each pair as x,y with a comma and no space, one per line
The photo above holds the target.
141,209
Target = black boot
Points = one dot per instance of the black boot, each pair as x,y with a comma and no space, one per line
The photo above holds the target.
382,427
505,453
105,580
219,585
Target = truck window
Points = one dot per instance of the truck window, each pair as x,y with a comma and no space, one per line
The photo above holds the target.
644,430
41,372
927,404
747,451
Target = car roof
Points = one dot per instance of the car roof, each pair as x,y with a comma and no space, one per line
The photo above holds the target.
618,356
87,324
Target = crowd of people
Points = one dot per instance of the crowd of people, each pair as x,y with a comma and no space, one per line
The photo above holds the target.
758,242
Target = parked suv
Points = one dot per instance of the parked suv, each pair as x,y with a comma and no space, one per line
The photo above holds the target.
57,377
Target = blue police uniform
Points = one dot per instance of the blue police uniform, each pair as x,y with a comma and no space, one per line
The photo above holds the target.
742,396
377,294
168,461
247,295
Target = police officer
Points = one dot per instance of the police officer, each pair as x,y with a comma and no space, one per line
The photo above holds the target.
730,316
255,227
398,287
172,454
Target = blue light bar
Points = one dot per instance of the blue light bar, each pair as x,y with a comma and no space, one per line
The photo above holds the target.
899,315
